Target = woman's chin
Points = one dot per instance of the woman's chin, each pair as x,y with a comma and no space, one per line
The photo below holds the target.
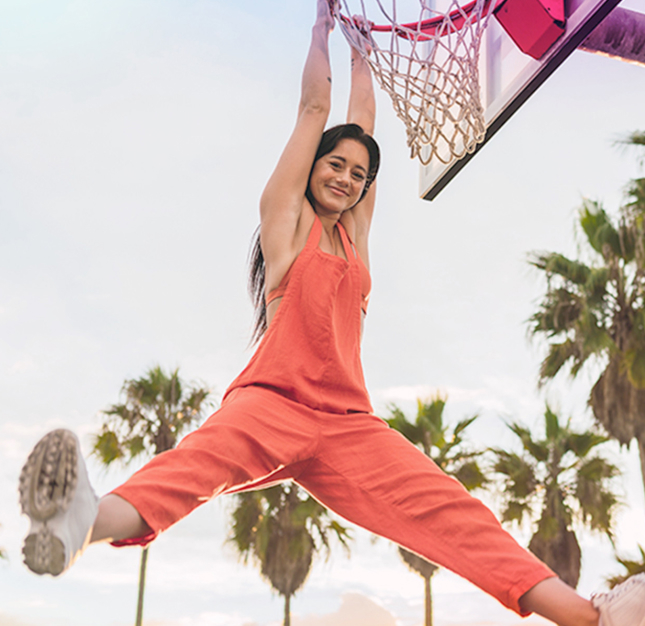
331,206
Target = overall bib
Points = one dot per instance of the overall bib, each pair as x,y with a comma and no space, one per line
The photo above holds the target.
300,411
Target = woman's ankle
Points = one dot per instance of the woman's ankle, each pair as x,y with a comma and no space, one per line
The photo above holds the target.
558,602
117,520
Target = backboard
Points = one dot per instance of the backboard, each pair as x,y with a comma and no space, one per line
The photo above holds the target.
509,77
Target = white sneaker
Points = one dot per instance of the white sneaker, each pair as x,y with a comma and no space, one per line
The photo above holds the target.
55,493
624,605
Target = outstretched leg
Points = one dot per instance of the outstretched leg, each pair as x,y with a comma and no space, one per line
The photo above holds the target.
256,436
371,475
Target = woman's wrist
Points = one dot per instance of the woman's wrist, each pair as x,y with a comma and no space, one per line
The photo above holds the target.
325,24
324,17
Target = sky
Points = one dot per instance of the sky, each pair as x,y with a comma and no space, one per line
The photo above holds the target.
135,139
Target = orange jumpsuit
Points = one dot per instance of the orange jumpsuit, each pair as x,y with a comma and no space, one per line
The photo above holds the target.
300,411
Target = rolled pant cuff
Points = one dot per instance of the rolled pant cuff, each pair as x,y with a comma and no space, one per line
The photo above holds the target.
524,586
142,541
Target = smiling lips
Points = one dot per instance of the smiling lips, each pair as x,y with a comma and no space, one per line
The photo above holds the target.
338,191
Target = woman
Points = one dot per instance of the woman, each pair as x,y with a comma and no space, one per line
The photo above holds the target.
300,409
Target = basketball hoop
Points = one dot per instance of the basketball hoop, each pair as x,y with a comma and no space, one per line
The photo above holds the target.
429,67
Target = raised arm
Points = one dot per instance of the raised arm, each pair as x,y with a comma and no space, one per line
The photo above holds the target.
283,199
361,111
362,107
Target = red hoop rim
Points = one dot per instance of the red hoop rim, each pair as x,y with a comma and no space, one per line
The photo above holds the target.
428,27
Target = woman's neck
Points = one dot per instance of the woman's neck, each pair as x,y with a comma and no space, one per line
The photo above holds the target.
329,220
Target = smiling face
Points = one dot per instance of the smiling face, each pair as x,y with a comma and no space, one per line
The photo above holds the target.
338,178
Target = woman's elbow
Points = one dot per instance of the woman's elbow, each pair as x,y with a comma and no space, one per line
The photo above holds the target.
314,108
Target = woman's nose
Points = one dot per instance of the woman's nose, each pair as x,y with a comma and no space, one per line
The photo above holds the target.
344,177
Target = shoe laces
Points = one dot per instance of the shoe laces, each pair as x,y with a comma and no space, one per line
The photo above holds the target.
601,599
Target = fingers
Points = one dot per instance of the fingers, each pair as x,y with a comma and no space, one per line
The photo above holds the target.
325,10
334,6
363,25
325,7
358,34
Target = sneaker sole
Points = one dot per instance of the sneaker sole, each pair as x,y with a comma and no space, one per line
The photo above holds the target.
47,484
44,553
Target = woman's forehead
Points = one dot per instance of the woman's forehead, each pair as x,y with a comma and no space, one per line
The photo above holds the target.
352,150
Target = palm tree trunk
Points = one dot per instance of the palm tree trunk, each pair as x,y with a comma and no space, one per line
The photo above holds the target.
428,594
287,609
142,585
641,450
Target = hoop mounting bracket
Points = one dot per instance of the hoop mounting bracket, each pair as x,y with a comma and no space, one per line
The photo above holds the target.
534,25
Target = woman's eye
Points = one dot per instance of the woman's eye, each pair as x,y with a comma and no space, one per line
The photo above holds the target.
335,164
358,176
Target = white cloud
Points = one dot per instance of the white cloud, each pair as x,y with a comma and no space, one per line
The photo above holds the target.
497,395
11,620
355,610
23,366
209,618
408,395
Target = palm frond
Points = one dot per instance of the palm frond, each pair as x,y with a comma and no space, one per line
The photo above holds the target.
635,138
592,339
537,449
107,447
601,233
554,263
135,445
552,427
597,503
635,194
595,288
470,475
156,409
400,423
444,447
282,528
246,516
561,475
582,443
515,510
632,567
559,312
430,422
519,476
557,357
462,425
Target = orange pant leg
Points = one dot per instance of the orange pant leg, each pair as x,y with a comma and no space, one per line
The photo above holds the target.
253,435
372,476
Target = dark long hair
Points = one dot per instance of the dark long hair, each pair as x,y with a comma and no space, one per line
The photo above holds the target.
328,142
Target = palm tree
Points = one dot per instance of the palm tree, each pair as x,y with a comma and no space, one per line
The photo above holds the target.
597,309
632,567
561,478
156,409
448,451
281,528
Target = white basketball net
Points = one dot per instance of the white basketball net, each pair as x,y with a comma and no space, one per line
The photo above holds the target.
429,68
